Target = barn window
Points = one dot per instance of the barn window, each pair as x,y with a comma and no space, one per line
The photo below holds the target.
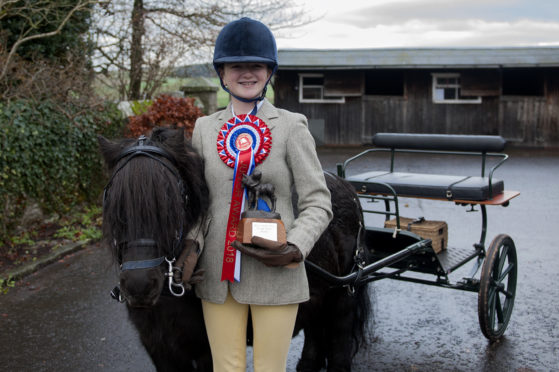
447,89
480,82
311,90
523,82
384,83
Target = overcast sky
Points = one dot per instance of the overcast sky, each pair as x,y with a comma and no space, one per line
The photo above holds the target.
427,23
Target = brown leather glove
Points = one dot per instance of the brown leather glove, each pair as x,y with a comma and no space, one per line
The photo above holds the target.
187,263
270,252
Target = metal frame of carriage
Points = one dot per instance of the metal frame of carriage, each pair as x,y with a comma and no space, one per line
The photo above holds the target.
398,254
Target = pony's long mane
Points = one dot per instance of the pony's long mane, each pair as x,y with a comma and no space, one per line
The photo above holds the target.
144,199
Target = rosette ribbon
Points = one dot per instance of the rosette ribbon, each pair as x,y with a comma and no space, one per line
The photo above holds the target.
242,143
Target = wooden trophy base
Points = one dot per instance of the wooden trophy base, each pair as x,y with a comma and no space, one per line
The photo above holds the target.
268,228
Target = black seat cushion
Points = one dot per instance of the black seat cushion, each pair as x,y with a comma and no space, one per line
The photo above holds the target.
440,142
427,185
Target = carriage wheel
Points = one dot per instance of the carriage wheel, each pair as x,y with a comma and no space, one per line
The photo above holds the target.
497,287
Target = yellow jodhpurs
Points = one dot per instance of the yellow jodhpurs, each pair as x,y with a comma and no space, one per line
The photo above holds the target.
226,325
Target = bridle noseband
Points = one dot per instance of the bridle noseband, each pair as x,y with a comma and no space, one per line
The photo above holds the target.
176,288
140,149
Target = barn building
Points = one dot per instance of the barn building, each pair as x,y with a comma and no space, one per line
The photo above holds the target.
349,95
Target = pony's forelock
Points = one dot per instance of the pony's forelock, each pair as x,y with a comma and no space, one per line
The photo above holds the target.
145,199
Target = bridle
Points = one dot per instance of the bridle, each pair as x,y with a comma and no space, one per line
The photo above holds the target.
175,286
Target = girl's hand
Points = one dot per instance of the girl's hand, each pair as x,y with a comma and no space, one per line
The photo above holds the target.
270,252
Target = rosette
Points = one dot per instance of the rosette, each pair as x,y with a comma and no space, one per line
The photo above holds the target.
239,134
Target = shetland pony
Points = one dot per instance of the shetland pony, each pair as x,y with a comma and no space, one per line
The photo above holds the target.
155,196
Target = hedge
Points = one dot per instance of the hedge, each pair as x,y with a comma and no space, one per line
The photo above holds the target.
49,154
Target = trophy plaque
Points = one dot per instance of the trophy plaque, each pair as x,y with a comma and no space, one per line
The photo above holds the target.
266,225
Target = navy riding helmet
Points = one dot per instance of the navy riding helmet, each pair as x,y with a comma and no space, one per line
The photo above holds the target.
246,40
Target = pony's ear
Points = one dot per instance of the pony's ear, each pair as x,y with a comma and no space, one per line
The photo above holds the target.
168,136
109,150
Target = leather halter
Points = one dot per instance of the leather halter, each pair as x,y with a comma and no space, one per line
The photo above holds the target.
150,151
140,149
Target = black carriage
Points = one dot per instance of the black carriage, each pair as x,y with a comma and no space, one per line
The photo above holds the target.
397,253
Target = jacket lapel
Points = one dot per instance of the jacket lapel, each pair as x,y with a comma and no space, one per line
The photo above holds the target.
268,113
222,117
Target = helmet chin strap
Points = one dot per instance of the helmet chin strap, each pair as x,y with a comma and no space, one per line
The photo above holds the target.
255,100
248,100
257,105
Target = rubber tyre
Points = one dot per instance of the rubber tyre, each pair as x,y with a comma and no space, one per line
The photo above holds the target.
497,287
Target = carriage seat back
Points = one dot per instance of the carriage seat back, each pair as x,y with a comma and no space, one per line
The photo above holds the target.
440,142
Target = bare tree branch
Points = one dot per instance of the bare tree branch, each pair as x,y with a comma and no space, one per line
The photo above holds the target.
42,8
176,31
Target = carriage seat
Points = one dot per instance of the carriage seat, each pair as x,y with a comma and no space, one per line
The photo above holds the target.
452,187
427,185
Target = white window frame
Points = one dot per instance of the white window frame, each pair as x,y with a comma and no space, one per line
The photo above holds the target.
320,87
457,86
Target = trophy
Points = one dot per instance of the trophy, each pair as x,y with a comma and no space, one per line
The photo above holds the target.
264,222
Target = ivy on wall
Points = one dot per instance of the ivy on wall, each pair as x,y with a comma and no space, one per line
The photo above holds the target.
50,156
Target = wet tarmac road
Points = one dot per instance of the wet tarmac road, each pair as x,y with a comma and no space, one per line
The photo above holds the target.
62,318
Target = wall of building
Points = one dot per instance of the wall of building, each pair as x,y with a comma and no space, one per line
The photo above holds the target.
531,120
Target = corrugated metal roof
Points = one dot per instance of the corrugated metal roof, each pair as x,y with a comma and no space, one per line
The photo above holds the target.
300,59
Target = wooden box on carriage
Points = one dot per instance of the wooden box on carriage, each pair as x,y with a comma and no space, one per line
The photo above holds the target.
437,231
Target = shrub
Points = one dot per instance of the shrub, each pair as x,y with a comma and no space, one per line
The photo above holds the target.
166,111
140,107
50,155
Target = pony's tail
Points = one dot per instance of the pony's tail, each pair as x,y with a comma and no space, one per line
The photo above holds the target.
362,318
363,312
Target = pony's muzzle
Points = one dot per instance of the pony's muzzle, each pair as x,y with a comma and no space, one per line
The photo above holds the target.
142,287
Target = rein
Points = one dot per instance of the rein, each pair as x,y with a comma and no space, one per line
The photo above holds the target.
140,149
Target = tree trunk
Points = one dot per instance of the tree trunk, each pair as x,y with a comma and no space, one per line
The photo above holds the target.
136,51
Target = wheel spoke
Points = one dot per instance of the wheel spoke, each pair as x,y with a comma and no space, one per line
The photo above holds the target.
499,308
501,259
492,317
506,272
505,292
491,306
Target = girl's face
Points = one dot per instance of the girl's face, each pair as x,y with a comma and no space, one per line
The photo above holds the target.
245,79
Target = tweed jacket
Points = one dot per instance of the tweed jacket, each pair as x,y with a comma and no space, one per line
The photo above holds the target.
292,161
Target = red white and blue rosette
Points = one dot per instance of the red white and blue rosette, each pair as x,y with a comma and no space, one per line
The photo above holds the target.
240,133
242,143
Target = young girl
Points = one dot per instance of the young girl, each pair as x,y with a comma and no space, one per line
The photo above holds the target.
260,276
